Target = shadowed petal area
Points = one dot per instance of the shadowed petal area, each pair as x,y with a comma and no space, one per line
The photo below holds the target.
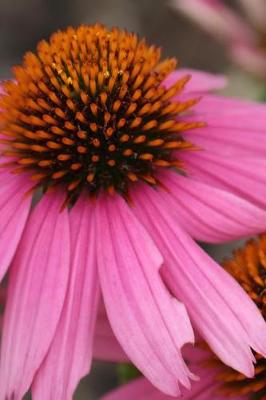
105,345
36,293
14,210
71,349
207,388
245,177
207,213
222,312
141,389
200,81
149,324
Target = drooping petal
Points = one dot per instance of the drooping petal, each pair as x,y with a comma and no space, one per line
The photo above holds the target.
37,287
14,210
256,11
71,349
245,177
150,326
199,82
222,312
105,345
216,18
207,213
251,58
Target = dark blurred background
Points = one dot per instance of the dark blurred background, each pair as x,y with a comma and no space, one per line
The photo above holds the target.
24,22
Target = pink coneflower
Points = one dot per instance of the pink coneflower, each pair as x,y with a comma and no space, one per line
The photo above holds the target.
130,164
245,37
217,381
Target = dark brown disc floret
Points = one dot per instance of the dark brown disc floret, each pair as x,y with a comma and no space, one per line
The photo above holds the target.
89,111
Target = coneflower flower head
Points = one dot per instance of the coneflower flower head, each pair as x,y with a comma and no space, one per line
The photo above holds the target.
131,161
88,112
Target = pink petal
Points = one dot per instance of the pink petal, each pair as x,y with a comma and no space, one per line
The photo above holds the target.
14,210
200,81
234,127
71,349
245,177
219,107
207,213
222,312
233,142
150,326
37,288
105,345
